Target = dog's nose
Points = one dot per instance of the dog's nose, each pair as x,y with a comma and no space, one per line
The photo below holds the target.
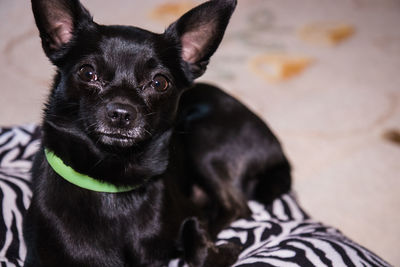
121,115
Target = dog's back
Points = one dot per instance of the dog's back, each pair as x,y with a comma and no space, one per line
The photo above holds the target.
234,156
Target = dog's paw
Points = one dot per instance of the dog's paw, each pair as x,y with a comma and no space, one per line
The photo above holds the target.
223,255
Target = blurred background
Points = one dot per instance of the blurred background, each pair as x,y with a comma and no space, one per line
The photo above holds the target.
324,75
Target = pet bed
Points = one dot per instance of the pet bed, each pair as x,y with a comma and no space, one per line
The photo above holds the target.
279,235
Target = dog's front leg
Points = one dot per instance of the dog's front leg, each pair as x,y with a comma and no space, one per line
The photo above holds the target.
199,250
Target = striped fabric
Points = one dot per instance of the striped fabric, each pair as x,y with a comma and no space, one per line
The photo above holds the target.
17,147
279,235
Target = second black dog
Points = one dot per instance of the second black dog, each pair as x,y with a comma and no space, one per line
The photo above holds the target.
137,165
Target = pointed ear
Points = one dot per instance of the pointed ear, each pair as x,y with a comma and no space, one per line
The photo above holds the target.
200,32
58,21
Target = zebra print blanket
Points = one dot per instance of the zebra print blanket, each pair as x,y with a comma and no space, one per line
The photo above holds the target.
278,235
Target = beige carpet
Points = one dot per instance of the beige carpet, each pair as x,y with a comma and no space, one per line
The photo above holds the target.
324,74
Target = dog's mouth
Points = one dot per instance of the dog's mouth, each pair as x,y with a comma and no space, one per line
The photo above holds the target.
120,138
116,139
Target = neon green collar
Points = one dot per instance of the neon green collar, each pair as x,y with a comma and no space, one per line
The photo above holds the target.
79,179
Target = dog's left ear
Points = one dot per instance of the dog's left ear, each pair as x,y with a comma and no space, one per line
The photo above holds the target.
200,32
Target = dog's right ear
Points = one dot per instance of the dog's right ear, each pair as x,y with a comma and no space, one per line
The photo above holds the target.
58,22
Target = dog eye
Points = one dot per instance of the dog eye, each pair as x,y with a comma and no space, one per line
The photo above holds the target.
159,83
87,73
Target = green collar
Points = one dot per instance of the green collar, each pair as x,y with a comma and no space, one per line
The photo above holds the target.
79,179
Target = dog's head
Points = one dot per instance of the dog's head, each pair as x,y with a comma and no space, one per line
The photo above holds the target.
120,85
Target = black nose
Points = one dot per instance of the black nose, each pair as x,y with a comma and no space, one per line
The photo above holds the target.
120,115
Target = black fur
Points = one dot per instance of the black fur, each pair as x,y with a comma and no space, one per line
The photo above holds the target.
123,109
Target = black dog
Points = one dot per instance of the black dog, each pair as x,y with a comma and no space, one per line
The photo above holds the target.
138,165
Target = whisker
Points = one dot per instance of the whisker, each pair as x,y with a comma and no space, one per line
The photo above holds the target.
147,131
149,114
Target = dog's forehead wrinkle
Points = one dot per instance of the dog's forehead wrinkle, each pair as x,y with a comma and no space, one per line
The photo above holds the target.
128,60
121,44
121,55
